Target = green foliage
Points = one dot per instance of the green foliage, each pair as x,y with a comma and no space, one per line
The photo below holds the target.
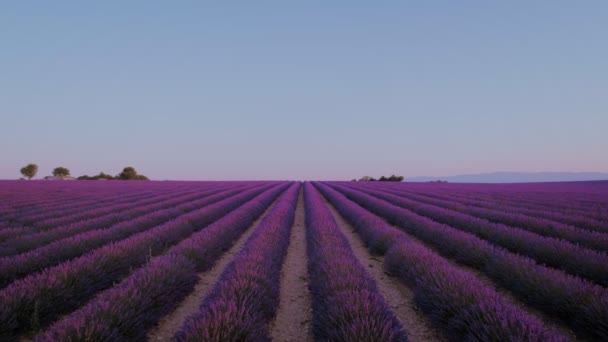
367,179
392,178
29,170
129,173
101,175
61,172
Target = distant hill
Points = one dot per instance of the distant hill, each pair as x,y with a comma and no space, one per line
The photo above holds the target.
516,177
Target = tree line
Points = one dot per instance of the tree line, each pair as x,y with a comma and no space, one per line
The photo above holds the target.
128,173
392,178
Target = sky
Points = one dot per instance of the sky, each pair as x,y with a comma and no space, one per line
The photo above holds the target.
218,90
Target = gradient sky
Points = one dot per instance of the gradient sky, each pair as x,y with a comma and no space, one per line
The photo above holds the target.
279,90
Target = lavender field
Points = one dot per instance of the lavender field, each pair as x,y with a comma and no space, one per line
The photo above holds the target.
291,261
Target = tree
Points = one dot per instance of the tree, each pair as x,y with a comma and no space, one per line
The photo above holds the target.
101,175
394,178
105,176
366,179
61,172
129,173
29,170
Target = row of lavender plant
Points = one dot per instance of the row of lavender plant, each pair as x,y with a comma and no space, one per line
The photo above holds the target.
578,196
90,195
24,243
523,205
457,302
555,214
8,232
22,217
128,310
53,217
25,198
58,206
570,197
591,239
578,303
246,296
529,200
40,298
542,205
61,216
554,252
30,237
18,266
29,199
345,300
61,219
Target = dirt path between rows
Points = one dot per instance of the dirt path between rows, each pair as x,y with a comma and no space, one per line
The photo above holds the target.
398,296
171,323
294,315
506,294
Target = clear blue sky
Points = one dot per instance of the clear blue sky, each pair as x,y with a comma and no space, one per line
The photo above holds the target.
279,90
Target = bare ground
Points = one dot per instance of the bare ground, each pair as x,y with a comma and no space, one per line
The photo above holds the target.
398,296
171,323
507,295
294,315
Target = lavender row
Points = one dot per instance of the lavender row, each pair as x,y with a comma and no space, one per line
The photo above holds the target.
578,303
40,298
568,203
555,214
24,200
126,204
589,239
128,310
52,217
14,216
457,302
69,196
122,205
18,266
584,217
523,203
30,200
571,198
28,242
7,232
30,237
246,296
59,206
345,300
553,252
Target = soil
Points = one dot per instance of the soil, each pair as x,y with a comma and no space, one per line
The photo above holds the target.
398,296
508,296
170,324
294,315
